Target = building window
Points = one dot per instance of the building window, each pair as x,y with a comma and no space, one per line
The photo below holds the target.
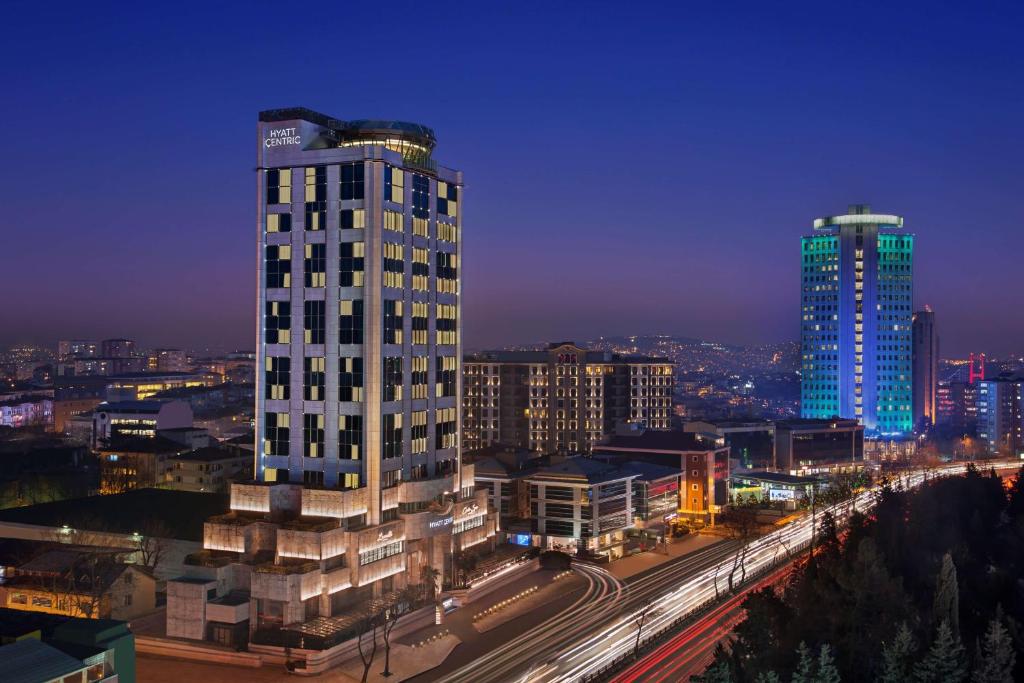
394,220
394,265
279,186
279,222
392,436
392,379
279,266
419,431
352,219
350,327
394,184
447,199
315,265
420,322
446,432
313,435
420,269
278,322
421,227
368,556
350,437
352,181
392,322
447,232
351,264
313,379
446,324
420,196
316,198
277,377
313,321
350,480
350,380
419,377
446,367
447,273
275,434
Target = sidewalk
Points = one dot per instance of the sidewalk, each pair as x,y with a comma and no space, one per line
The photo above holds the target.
629,566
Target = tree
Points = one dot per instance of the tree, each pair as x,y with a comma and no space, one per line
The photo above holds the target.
805,665
397,606
767,677
946,604
996,657
151,543
897,656
827,671
944,662
367,622
639,618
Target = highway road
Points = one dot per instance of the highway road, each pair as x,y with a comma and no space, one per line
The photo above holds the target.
597,632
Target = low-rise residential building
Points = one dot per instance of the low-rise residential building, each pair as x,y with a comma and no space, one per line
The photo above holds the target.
137,463
80,583
208,469
28,411
143,419
810,445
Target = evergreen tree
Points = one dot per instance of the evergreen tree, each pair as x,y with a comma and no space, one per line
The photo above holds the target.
897,656
996,657
805,666
946,605
770,677
718,672
827,671
944,662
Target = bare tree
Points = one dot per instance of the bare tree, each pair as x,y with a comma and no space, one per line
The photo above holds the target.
741,524
368,623
639,618
398,606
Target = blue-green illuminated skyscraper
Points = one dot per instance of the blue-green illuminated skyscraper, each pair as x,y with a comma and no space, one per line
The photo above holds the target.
857,280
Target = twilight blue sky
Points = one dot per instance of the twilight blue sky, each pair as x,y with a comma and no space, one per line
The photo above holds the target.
631,167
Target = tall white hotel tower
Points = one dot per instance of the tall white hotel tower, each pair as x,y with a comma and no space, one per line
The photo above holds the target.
359,482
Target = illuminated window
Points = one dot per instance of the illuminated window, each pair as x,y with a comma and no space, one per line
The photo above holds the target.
445,431
391,433
445,370
420,269
421,227
279,222
392,322
313,321
279,266
394,184
419,376
446,324
394,220
350,379
394,265
419,431
278,322
315,265
447,199
352,219
351,264
447,232
350,438
313,435
316,197
279,186
447,273
277,377
392,379
313,379
350,325
275,434
351,181
420,322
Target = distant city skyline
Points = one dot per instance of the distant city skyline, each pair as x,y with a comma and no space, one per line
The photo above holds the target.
608,197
